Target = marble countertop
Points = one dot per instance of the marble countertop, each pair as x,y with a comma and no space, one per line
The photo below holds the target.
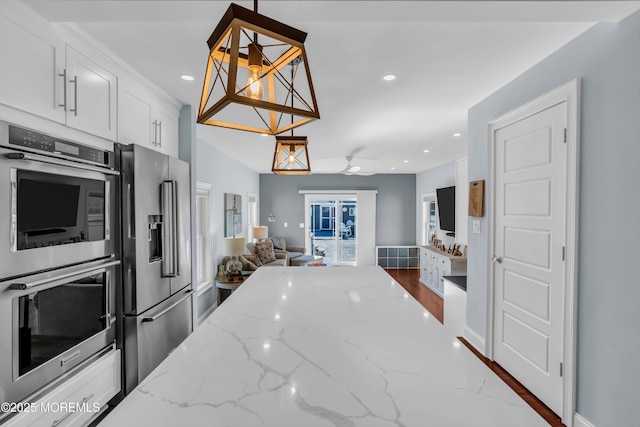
336,346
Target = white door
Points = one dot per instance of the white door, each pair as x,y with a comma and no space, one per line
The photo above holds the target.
529,269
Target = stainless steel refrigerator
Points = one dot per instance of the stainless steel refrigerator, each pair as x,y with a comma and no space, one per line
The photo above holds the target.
156,258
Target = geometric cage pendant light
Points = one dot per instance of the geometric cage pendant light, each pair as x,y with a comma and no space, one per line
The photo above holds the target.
245,86
291,156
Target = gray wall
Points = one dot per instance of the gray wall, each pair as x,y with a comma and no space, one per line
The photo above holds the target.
225,175
607,59
428,182
395,204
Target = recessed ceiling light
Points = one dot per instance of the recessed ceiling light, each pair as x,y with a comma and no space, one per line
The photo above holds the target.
406,161
425,151
389,77
186,77
457,134
265,134
393,169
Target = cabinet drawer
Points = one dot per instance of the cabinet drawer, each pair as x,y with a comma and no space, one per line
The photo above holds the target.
78,400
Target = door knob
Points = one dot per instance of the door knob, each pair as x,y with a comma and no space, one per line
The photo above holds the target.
497,259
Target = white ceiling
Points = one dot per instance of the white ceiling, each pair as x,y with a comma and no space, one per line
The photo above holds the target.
448,56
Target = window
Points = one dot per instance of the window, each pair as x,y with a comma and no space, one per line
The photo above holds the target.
428,218
204,268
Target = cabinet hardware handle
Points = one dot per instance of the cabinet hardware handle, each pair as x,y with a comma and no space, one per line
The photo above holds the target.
64,89
85,400
75,95
155,133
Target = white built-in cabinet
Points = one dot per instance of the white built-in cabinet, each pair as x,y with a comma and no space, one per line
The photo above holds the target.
88,390
48,71
435,264
146,119
42,75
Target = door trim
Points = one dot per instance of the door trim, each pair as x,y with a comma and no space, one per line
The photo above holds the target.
569,93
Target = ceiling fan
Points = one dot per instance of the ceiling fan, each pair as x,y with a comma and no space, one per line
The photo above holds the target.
352,169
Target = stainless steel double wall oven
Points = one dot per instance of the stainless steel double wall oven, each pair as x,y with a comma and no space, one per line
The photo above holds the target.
58,258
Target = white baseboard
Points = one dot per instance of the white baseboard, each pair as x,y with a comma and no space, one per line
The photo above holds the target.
580,421
474,339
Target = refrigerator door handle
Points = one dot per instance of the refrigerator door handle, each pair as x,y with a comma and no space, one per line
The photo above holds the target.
169,240
168,309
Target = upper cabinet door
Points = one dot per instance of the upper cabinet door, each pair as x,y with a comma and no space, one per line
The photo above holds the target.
167,134
31,69
91,96
135,122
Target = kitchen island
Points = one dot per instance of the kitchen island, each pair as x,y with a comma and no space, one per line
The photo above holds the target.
336,346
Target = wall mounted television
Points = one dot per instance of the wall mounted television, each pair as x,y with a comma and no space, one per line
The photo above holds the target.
446,200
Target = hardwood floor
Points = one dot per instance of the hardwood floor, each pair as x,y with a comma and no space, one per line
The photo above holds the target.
409,279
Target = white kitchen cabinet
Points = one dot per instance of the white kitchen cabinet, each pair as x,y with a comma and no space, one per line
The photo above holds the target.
76,401
438,264
42,75
145,119
90,101
32,66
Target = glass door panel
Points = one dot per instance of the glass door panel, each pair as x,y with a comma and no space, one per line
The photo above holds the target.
332,229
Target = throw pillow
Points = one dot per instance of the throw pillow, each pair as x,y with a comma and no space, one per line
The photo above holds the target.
265,251
251,261
276,242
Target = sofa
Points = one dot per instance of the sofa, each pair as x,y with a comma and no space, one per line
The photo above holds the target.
248,262
281,249
280,246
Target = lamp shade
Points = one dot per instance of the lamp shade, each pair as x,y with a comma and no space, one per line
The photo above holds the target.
233,246
260,232
244,86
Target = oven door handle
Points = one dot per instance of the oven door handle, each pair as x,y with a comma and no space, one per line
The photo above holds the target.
36,283
60,162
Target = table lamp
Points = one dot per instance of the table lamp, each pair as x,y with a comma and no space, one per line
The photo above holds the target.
260,232
233,247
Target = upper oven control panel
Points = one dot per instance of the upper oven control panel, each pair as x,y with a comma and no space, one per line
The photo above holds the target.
72,150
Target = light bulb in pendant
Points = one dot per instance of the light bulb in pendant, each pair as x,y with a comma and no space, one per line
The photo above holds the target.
254,88
292,157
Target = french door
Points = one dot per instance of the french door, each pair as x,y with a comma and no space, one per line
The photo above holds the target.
332,228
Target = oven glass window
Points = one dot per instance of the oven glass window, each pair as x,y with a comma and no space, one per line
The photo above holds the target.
56,319
58,209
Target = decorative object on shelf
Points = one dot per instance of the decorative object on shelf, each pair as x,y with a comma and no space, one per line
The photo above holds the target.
244,87
233,247
260,232
232,214
476,198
